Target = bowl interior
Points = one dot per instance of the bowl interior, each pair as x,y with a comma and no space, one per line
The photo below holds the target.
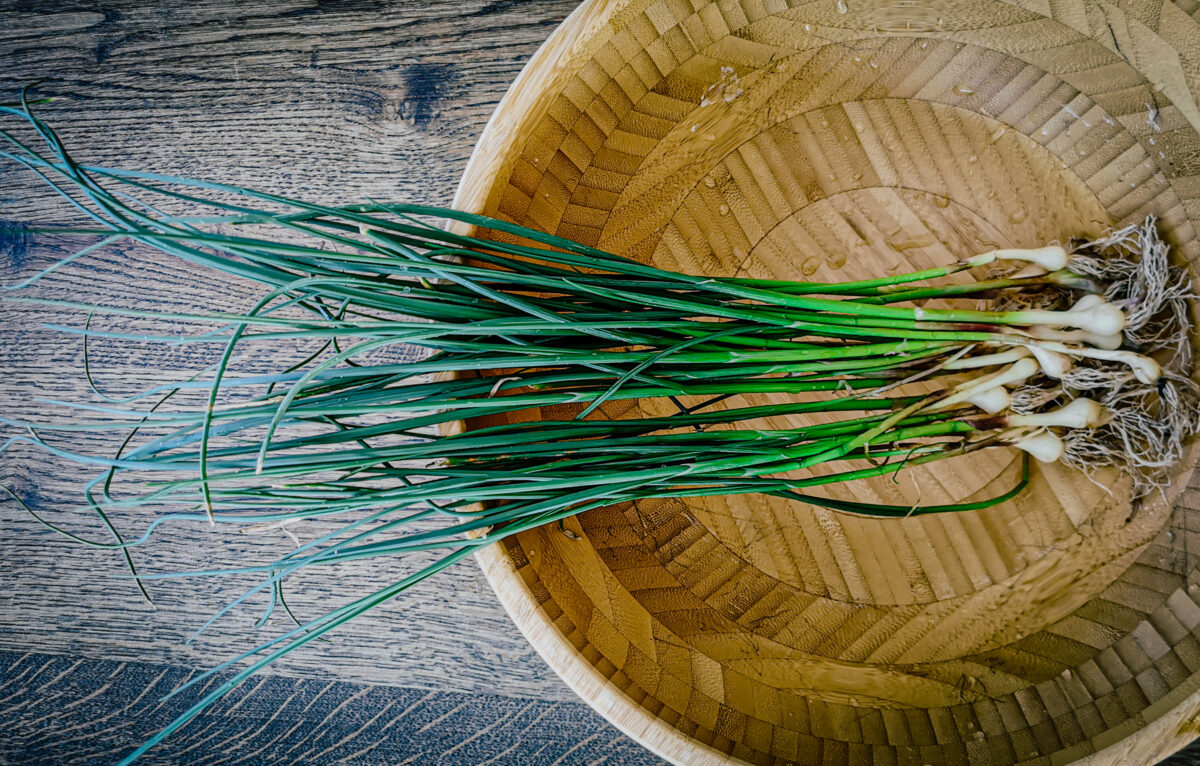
834,141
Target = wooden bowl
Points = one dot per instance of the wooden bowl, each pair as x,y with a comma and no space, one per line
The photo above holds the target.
834,140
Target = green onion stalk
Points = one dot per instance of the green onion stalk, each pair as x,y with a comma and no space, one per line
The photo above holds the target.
585,379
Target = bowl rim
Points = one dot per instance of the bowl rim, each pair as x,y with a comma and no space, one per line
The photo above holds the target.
519,110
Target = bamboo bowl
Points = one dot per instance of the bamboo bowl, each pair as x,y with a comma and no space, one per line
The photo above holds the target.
836,140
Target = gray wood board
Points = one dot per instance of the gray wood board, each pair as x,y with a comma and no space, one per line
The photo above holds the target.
330,102
66,710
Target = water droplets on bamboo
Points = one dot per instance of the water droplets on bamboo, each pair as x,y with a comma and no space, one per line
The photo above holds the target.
1152,117
727,88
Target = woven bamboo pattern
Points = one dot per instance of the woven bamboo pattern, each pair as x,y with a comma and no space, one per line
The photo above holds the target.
835,140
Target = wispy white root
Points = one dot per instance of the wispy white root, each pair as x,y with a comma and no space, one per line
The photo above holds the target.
1135,264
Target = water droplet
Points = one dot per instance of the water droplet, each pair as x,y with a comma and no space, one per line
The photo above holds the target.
1152,117
873,64
963,89
726,88
694,128
709,181
837,260
810,266
857,59
972,159
941,201
924,44
723,210
808,27
1152,140
1018,215
1045,132
1000,131
842,7
980,735
941,22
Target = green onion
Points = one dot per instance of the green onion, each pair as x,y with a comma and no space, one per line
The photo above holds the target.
1062,362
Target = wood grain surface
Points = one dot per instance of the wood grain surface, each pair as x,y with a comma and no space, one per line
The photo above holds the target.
68,711
328,101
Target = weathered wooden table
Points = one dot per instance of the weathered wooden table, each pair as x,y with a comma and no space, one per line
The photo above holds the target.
331,101
323,100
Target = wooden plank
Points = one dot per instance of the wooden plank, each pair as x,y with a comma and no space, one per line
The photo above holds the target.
64,710
325,101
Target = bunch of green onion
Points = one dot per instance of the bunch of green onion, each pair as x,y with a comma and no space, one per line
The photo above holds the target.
1056,356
